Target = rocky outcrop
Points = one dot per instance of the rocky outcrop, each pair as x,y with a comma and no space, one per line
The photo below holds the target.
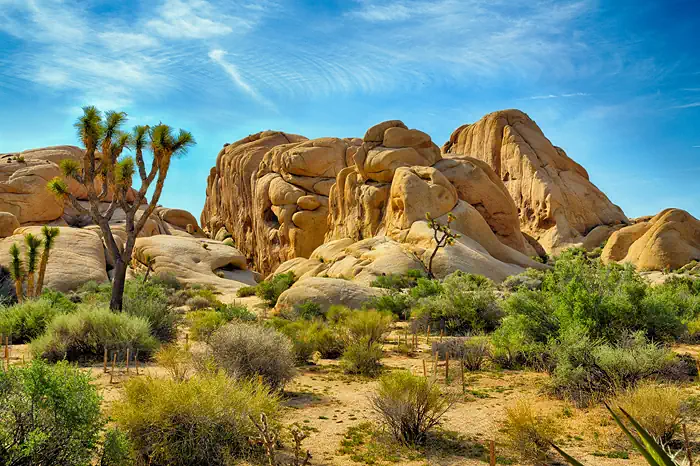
668,241
557,203
8,224
326,292
23,190
195,261
77,257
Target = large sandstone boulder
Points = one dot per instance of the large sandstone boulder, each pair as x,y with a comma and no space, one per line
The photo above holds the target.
326,292
8,224
669,240
77,257
195,261
23,190
557,203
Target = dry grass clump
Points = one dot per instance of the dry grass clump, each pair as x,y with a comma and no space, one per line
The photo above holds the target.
527,433
249,351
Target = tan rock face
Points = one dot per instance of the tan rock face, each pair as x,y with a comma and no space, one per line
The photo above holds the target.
196,260
557,203
76,258
326,292
23,190
8,224
669,240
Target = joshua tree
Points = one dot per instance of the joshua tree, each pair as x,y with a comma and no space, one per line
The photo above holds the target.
115,176
17,271
33,244
443,237
50,234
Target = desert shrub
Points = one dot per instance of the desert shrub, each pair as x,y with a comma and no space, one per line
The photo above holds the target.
392,281
58,301
477,350
202,420
396,303
246,291
116,449
363,357
531,280
236,312
409,406
587,370
203,324
460,312
166,280
50,415
246,351
694,330
176,360
197,303
84,334
426,287
660,409
514,347
25,321
368,325
271,289
528,434
307,310
311,336
179,298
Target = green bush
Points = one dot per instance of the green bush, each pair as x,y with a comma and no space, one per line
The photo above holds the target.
197,303
202,420
410,406
58,301
311,336
308,310
396,303
270,290
366,325
363,357
50,415
203,324
166,280
116,449
246,291
246,350
84,334
236,312
426,287
25,321
587,370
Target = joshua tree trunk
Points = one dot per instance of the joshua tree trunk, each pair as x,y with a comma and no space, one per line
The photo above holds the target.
18,291
30,285
42,272
118,282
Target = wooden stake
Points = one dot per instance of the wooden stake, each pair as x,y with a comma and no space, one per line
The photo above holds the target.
687,445
435,365
442,334
187,338
427,335
136,361
492,450
447,367
425,370
114,362
104,362
127,360
461,372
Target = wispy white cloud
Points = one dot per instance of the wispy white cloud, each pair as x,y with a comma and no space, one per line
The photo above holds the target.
690,105
218,57
558,96
121,40
193,19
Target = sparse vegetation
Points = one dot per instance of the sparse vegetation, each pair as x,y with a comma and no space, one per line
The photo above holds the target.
409,406
249,351
528,433
270,290
201,420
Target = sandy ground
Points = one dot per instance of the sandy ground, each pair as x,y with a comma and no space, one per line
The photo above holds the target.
329,402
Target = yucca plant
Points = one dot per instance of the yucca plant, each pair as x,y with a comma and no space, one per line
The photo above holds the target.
115,174
17,271
33,244
652,451
50,234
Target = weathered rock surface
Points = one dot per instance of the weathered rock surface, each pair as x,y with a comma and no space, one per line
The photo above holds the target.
196,260
669,240
76,258
23,190
326,292
557,203
8,224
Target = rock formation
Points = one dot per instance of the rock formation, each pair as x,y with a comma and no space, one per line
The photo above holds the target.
558,205
667,241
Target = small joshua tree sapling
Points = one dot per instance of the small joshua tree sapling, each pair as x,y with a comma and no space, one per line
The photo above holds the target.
443,236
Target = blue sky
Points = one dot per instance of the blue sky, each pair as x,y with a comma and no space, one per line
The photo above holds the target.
615,83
